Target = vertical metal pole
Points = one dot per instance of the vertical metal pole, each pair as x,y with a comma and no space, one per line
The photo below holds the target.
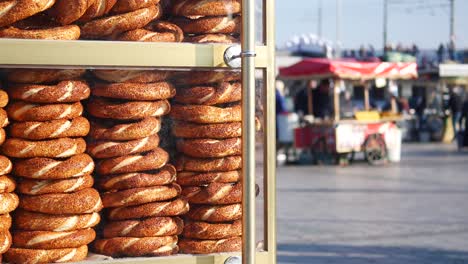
338,29
248,131
320,19
385,24
452,21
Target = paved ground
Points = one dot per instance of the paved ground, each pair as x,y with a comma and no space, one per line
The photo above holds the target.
414,212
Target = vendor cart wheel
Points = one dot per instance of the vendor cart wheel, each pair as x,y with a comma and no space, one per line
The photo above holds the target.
321,153
375,150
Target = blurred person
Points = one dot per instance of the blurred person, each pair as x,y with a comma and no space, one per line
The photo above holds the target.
464,119
371,51
441,53
415,50
362,52
321,100
456,107
301,100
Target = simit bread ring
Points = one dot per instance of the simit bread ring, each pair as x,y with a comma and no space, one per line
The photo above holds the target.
71,32
128,131
55,148
5,241
158,31
50,169
230,163
25,220
103,108
204,230
137,247
170,208
139,196
214,193
135,91
206,8
152,160
82,202
193,246
224,92
42,75
114,25
132,76
35,187
3,118
2,135
215,131
215,214
166,175
22,111
7,184
148,227
110,149
8,202
210,25
97,9
210,148
5,222
53,240
3,98
76,127
68,11
206,77
212,38
22,255
197,179
206,114
124,6
5,165
63,92
15,10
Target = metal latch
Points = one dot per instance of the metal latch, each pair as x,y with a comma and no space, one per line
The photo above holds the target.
233,56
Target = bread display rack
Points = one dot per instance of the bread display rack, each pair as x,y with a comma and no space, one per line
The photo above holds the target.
256,56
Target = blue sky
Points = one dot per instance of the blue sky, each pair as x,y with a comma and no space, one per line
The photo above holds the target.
423,22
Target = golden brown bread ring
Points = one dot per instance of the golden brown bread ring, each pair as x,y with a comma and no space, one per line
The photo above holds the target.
186,178
23,255
212,38
215,213
76,127
224,92
22,111
53,240
16,10
68,11
63,92
5,165
210,25
205,114
97,9
204,230
139,196
214,193
82,202
175,207
7,184
114,25
132,110
3,118
135,91
132,76
152,160
31,221
206,8
148,227
43,75
230,163
54,148
8,202
205,77
124,6
137,247
5,222
35,187
128,131
2,136
194,246
210,148
70,32
158,31
166,175
111,149
3,98
216,131
5,241
50,169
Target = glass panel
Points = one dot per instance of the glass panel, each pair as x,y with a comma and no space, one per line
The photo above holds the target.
259,153
192,21
259,23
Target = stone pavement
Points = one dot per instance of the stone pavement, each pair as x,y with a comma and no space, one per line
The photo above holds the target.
413,212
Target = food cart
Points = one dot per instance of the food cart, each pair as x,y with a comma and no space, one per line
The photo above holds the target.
369,132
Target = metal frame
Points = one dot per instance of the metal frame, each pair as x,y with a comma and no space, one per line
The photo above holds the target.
101,54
